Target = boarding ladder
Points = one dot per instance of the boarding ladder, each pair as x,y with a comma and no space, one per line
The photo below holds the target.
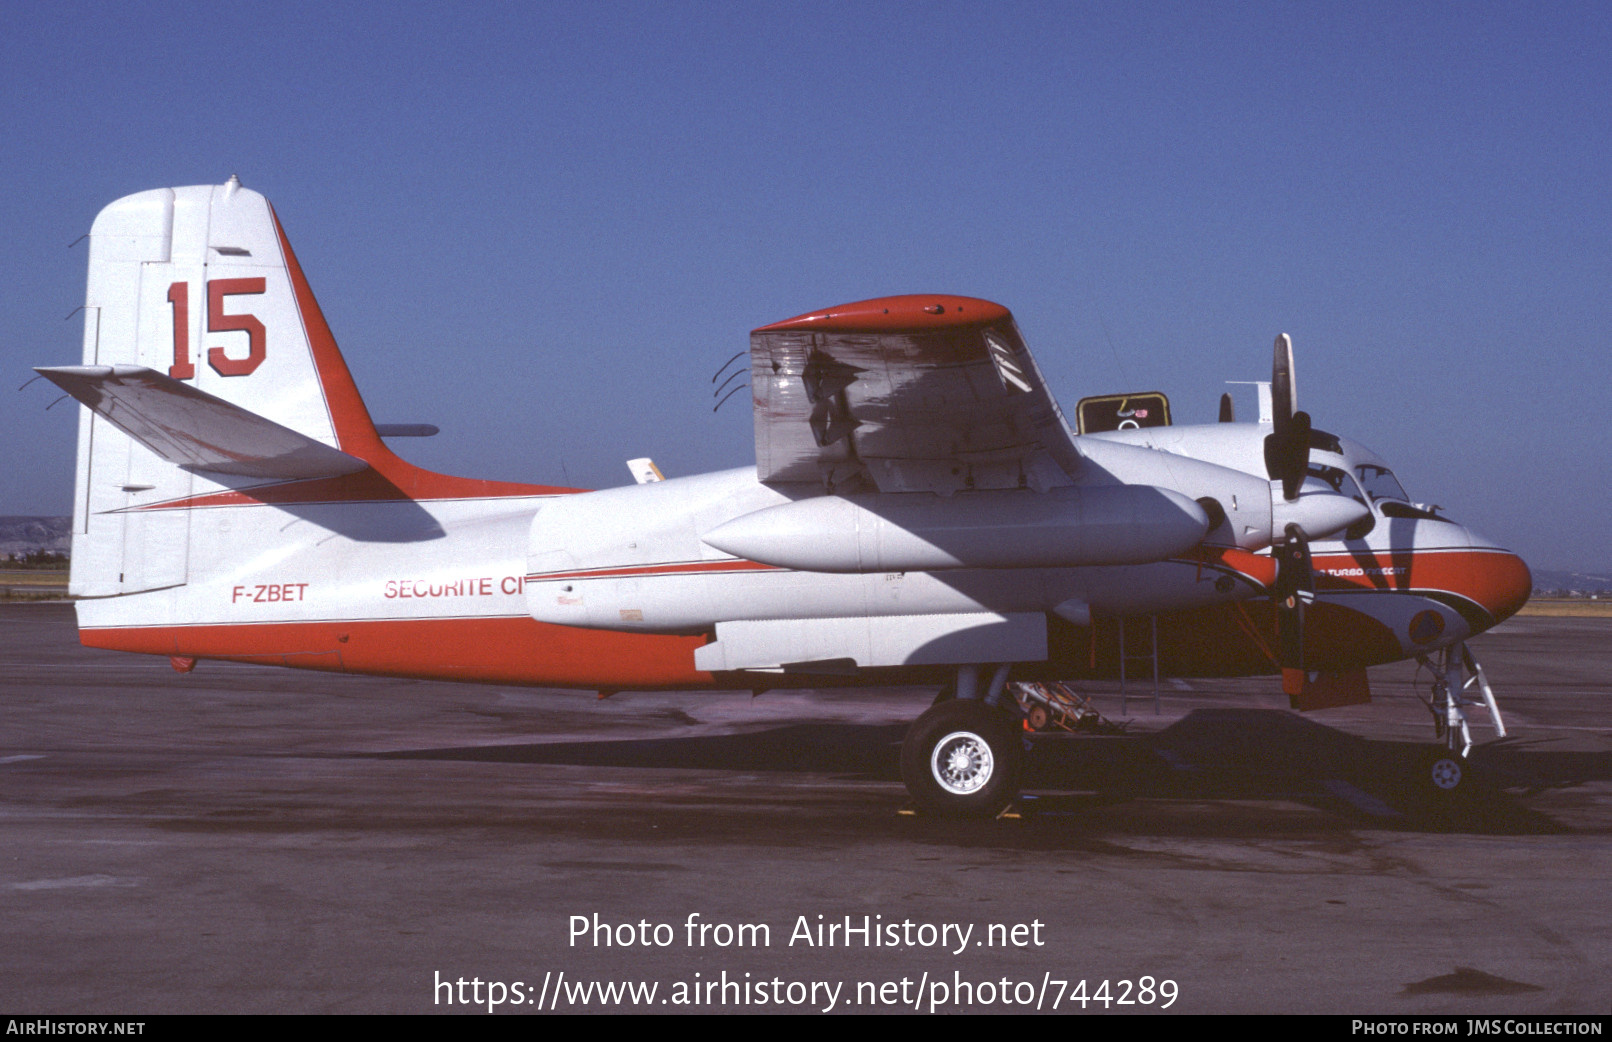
1138,644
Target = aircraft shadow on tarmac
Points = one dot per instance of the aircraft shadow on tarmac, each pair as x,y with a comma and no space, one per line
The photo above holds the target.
1210,755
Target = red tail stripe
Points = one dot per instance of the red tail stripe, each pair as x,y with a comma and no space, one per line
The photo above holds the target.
390,476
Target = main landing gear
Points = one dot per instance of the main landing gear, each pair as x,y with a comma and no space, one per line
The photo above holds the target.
1445,771
962,758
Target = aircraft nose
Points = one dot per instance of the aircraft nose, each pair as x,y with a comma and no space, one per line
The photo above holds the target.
1501,582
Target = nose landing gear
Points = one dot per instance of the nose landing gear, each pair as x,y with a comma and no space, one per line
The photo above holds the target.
1455,672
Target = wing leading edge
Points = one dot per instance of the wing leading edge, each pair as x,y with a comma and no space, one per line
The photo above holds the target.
921,393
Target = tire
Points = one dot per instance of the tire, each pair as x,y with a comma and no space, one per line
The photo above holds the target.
1444,774
961,759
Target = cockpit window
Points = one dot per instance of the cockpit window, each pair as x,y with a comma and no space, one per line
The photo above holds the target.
1343,484
1380,483
1340,481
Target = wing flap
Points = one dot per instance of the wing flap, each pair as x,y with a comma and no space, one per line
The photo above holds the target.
196,430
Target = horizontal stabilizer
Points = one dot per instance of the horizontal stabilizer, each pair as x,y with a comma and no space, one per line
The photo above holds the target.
407,430
196,430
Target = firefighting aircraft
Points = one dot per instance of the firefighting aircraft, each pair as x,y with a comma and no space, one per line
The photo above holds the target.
920,512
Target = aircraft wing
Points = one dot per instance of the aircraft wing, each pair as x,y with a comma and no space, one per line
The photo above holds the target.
905,394
194,429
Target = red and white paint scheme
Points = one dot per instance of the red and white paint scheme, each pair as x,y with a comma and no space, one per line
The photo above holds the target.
920,512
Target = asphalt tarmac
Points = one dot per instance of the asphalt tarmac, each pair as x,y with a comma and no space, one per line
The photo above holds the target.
249,839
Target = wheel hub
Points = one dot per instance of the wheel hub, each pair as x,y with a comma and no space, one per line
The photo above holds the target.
1446,773
962,763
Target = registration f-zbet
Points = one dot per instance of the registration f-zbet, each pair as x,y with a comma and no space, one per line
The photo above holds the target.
920,512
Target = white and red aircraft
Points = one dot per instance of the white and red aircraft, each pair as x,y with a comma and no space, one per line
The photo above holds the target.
919,512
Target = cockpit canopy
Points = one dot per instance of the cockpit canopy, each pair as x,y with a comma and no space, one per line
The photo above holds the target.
1380,483
1375,486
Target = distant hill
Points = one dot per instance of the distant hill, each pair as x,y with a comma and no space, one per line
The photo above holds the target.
23,535
1568,584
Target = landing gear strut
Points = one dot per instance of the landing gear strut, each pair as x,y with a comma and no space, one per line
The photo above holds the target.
962,757
1455,673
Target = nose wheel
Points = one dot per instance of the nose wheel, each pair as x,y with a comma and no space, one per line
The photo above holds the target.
1443,775
961,759
1445,771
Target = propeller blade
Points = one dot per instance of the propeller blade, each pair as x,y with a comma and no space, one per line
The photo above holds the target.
1287,453
1296,455
1295,588
1284,392
1287,449
1227,413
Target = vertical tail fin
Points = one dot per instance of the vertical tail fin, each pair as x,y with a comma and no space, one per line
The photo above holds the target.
200,284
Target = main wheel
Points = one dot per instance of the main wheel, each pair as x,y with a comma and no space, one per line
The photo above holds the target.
961,759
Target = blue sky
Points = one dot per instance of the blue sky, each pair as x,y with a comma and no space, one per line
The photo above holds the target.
543,227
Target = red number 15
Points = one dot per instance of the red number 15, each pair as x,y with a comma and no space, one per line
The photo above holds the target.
217,322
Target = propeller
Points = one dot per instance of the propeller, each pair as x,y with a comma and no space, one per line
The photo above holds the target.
1320,513
1295,588
1287,459
1287,447
1227,413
